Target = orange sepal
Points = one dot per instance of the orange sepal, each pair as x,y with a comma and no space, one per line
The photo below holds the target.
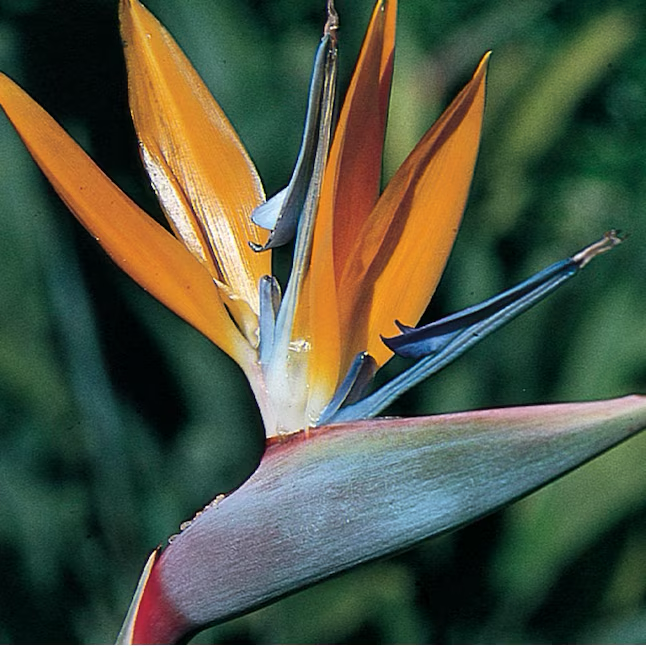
206,182
353,175
350,187
138,244
404,245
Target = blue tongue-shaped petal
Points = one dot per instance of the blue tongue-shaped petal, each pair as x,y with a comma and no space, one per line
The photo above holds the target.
268,213
325,71
269,304
477,320
353,386
293,209
282,211
441,342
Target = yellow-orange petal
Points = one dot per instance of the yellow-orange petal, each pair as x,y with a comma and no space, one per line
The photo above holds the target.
353,174
206,182
350,188
404,244
138,244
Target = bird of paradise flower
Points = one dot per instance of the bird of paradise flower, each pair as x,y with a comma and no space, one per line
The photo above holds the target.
335,487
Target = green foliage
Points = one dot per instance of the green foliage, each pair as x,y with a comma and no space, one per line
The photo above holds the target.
117,422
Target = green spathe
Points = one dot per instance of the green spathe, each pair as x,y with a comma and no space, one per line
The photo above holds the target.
326,499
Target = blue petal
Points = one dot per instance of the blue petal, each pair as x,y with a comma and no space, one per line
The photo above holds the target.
440,343
432,338
282,212
305,225
352,387
268,213
269,305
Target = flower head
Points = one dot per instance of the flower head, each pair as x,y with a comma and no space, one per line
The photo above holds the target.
366,263
356,253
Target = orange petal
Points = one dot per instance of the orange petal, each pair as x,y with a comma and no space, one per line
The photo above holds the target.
404,244
351,185
138,244
204,178
353,176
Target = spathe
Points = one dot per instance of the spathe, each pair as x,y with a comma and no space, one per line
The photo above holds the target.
327,499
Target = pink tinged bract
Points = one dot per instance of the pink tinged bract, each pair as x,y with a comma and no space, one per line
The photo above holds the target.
327,499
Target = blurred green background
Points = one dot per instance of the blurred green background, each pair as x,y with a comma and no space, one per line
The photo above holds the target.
118,421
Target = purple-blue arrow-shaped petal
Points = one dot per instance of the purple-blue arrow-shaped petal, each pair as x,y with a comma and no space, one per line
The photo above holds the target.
491,314
438,344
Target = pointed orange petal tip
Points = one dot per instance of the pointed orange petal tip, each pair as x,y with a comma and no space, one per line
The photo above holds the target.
483,65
